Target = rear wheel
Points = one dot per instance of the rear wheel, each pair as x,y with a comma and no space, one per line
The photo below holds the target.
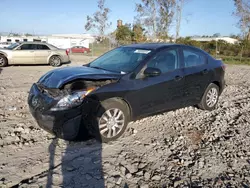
111,120
55,61
3,61
210,97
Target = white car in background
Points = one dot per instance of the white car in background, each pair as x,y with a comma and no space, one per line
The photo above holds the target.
5,44
33,53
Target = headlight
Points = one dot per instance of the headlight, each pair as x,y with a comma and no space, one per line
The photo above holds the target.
72,100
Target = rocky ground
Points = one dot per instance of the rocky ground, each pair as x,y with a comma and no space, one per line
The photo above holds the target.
183,148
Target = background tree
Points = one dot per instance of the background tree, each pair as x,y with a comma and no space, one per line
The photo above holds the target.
216,35
138,33
167,10
147,16
156,16
28,34
243,13
99,20
179,4
123,34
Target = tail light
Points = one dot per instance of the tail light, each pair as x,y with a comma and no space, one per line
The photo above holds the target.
67,51
223,66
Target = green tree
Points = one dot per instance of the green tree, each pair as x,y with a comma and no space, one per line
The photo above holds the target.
138,34
123,34
99,20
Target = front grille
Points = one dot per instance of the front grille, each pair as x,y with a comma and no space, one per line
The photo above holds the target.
48,91
40,101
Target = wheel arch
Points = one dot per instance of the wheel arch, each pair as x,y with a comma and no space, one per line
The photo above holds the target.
218,84
125,102
53,54
5,55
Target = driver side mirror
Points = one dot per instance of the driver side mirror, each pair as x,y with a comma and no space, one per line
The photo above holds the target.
151,72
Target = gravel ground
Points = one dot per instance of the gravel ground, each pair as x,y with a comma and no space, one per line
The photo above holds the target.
183,148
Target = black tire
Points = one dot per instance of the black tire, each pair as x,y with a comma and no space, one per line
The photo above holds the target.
3,61
55,61
204,104
110,104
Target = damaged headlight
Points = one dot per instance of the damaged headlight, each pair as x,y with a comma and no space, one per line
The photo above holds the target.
73,100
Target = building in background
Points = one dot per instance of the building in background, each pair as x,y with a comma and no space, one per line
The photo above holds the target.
59,40
208,39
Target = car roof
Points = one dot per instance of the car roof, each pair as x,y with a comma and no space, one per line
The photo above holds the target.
33,43
151,46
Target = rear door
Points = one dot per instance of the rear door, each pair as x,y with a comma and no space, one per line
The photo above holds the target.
24,54
42,53
160,93
197,75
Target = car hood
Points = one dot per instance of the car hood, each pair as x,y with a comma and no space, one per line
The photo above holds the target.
61,76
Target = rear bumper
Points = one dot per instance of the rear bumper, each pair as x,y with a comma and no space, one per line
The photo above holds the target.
65,59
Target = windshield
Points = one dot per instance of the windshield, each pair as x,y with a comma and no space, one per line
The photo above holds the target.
122,60
12,46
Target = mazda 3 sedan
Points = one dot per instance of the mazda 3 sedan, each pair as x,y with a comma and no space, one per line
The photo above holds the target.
123,85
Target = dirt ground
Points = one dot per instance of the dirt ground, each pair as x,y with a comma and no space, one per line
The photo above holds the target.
183,148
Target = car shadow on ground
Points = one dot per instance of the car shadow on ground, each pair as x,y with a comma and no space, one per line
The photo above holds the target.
81,164
1,70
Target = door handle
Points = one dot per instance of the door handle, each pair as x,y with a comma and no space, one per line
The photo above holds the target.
205,71
31,51
178,78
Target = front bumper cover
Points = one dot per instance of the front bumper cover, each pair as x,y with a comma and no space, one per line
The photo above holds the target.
63,124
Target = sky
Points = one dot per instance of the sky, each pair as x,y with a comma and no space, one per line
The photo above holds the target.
200,17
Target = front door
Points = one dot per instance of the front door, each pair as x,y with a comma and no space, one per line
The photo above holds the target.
150,95
24,54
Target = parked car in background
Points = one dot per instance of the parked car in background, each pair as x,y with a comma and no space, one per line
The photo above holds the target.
4,44
123,85
33,53
80,49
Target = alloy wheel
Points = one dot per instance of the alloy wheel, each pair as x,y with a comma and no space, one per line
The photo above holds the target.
111,122
212,97
55,61
1,61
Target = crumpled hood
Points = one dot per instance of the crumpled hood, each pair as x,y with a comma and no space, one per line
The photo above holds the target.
59,77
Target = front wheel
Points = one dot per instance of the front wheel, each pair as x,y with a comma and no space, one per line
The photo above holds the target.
210,98
55,61
111,120
3,61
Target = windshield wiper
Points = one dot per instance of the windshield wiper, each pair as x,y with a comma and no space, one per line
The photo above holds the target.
100,68
103,69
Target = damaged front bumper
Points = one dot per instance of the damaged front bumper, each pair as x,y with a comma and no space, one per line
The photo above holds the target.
63,124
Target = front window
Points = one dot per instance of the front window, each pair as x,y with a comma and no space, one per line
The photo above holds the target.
122,60
12,46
